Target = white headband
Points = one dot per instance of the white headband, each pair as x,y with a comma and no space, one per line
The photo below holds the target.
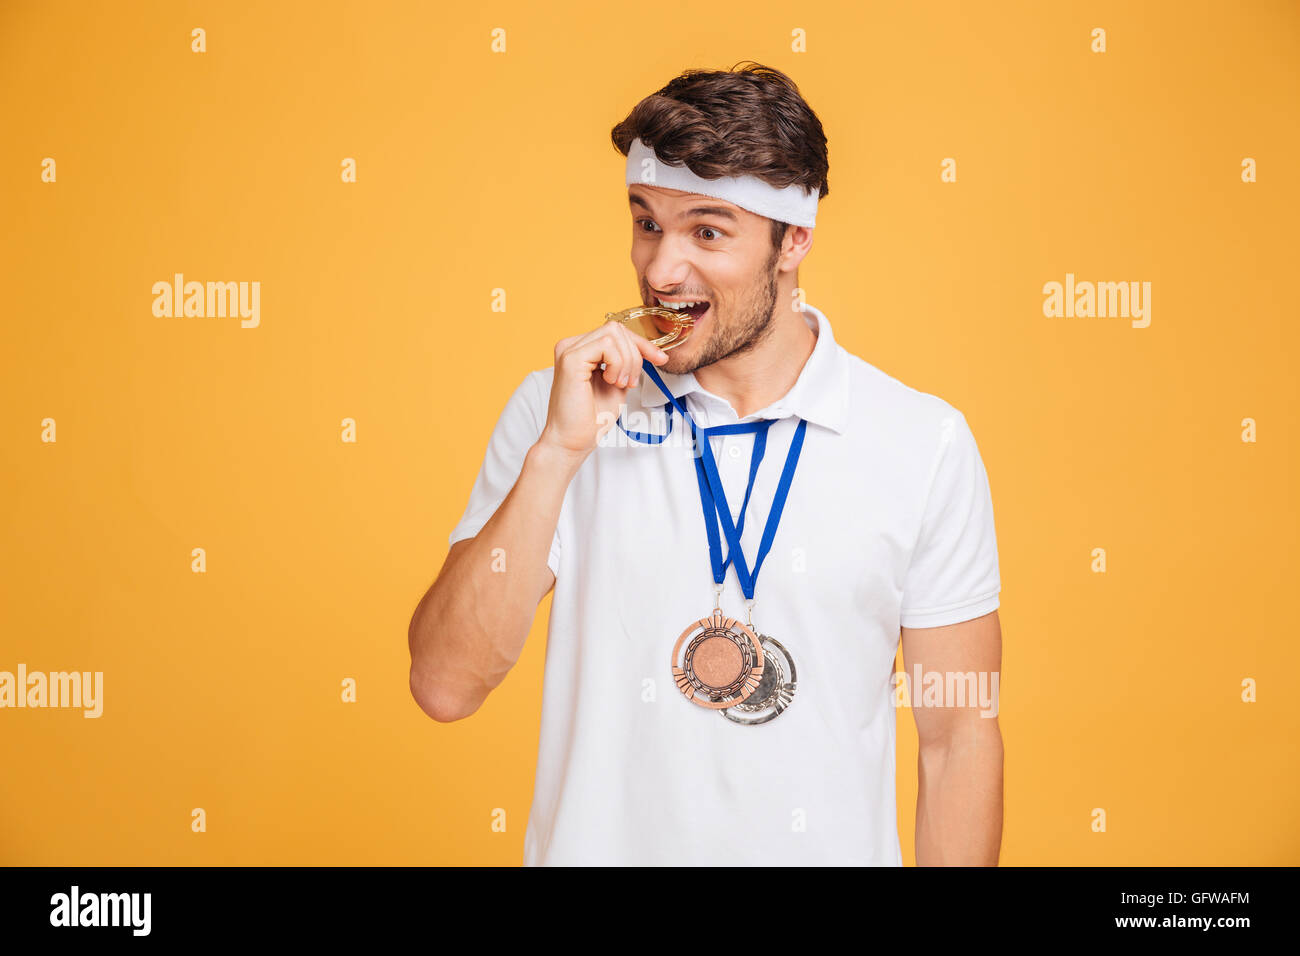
793,204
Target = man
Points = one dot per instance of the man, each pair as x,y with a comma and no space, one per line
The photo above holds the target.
765,735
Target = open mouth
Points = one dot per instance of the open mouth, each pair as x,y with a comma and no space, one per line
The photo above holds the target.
693,308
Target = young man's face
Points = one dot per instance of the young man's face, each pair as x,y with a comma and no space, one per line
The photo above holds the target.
692,248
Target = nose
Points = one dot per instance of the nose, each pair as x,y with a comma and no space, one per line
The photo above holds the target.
670,266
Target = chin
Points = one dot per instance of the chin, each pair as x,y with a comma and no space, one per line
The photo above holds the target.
674,366
683,359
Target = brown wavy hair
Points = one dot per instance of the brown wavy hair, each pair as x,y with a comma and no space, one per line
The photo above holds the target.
749,120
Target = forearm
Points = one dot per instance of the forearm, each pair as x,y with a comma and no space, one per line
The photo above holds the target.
470,628
959,798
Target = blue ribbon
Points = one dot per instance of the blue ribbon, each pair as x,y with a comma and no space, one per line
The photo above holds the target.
648,438
713,499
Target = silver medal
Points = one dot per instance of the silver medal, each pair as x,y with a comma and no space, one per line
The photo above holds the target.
775,688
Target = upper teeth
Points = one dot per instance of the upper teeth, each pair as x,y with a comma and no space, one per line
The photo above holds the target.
676,305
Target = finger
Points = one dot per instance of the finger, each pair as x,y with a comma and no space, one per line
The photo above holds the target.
631,359
587,353
575,342
612,355
564,345
617,360
645,347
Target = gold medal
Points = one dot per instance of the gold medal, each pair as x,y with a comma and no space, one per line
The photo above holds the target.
663,327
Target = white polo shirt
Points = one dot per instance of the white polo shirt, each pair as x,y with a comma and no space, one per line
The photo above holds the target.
889,522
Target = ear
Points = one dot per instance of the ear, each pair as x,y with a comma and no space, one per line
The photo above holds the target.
796,244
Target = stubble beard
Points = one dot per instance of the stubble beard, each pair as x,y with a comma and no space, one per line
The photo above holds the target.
741,337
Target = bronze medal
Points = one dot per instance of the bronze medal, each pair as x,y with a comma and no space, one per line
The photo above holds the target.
721,664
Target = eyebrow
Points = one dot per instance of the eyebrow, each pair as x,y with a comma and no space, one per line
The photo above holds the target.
721,211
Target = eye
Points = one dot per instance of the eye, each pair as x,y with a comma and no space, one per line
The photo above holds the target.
644,222
712,230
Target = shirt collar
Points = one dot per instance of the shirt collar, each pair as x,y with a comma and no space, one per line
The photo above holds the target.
819,395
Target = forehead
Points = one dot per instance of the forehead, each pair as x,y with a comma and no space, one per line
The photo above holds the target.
683,203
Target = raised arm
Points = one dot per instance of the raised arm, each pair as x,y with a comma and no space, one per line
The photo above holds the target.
469,628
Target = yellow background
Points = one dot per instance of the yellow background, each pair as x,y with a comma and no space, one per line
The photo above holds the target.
479,171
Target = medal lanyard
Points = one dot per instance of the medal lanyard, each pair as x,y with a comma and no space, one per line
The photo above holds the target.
713,498
707,501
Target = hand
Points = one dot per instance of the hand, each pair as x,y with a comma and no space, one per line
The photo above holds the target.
585,400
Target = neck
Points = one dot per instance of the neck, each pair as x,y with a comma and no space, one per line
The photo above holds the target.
757,377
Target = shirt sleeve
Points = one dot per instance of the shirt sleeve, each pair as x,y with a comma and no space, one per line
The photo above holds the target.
517,430
953,575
